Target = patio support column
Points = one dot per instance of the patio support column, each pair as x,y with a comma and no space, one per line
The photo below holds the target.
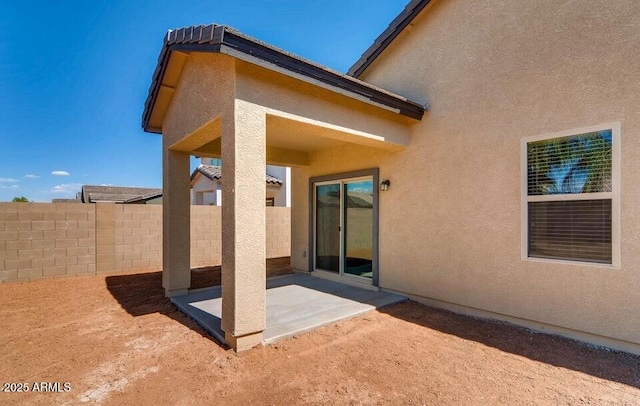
176,222
243,227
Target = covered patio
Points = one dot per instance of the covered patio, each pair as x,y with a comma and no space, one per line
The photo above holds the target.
295,304
221,94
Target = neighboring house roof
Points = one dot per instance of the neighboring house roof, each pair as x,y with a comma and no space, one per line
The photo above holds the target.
144,198
65,201
118,194
354,200
214,172
359,200
215,38
393,30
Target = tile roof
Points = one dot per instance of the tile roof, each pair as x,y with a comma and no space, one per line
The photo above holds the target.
222,39
65,201
355,200
273,180
214,172
394,29
118,194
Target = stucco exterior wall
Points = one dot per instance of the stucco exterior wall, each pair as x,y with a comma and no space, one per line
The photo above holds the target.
205,91
282,94
493,73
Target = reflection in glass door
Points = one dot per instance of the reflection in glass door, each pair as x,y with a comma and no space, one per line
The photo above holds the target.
358,227
328,227
344,227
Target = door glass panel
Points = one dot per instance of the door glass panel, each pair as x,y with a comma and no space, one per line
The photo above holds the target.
328,227
358,213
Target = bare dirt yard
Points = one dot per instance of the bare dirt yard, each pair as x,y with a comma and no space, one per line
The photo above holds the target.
115,340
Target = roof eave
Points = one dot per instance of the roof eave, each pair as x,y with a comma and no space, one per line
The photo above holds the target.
397,25
210,35
220,39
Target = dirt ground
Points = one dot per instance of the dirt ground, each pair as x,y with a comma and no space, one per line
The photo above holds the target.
117,341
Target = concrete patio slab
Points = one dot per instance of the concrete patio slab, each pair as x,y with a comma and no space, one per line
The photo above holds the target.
295,304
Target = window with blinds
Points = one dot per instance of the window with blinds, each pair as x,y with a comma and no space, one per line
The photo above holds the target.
569,197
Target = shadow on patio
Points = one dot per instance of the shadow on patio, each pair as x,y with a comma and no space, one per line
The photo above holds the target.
142,294
550,349
295,304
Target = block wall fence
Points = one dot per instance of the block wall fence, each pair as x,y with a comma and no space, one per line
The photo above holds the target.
48,240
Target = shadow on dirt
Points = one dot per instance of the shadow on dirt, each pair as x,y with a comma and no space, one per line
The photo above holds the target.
142,294
551,349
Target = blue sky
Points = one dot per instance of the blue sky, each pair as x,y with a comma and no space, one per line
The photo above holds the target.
74,76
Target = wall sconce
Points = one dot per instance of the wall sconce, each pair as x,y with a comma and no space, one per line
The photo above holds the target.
384,185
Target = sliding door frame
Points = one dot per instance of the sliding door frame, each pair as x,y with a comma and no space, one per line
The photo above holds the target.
346,176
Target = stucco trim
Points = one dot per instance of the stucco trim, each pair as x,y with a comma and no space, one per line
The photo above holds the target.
375,174
614,195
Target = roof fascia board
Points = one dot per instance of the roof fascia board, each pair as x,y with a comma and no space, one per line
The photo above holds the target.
402,20
221,40
208,36
252,52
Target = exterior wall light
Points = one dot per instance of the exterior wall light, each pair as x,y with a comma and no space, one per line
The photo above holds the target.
384,185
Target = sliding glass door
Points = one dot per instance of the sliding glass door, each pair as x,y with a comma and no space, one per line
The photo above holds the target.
358,228
344,227
328,220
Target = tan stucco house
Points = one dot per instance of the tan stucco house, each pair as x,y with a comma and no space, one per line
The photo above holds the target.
115,194
481,156
206,184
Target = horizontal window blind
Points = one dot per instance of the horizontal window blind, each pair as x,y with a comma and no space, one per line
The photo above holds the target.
569,197
569,165
578,230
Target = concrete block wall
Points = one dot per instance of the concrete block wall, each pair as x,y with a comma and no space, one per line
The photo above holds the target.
46,240
51,240
206,235
278,232
138,237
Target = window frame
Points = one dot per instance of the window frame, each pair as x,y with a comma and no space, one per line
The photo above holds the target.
614,195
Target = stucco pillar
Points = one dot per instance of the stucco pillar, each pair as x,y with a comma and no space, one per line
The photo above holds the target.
176,223
243,227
